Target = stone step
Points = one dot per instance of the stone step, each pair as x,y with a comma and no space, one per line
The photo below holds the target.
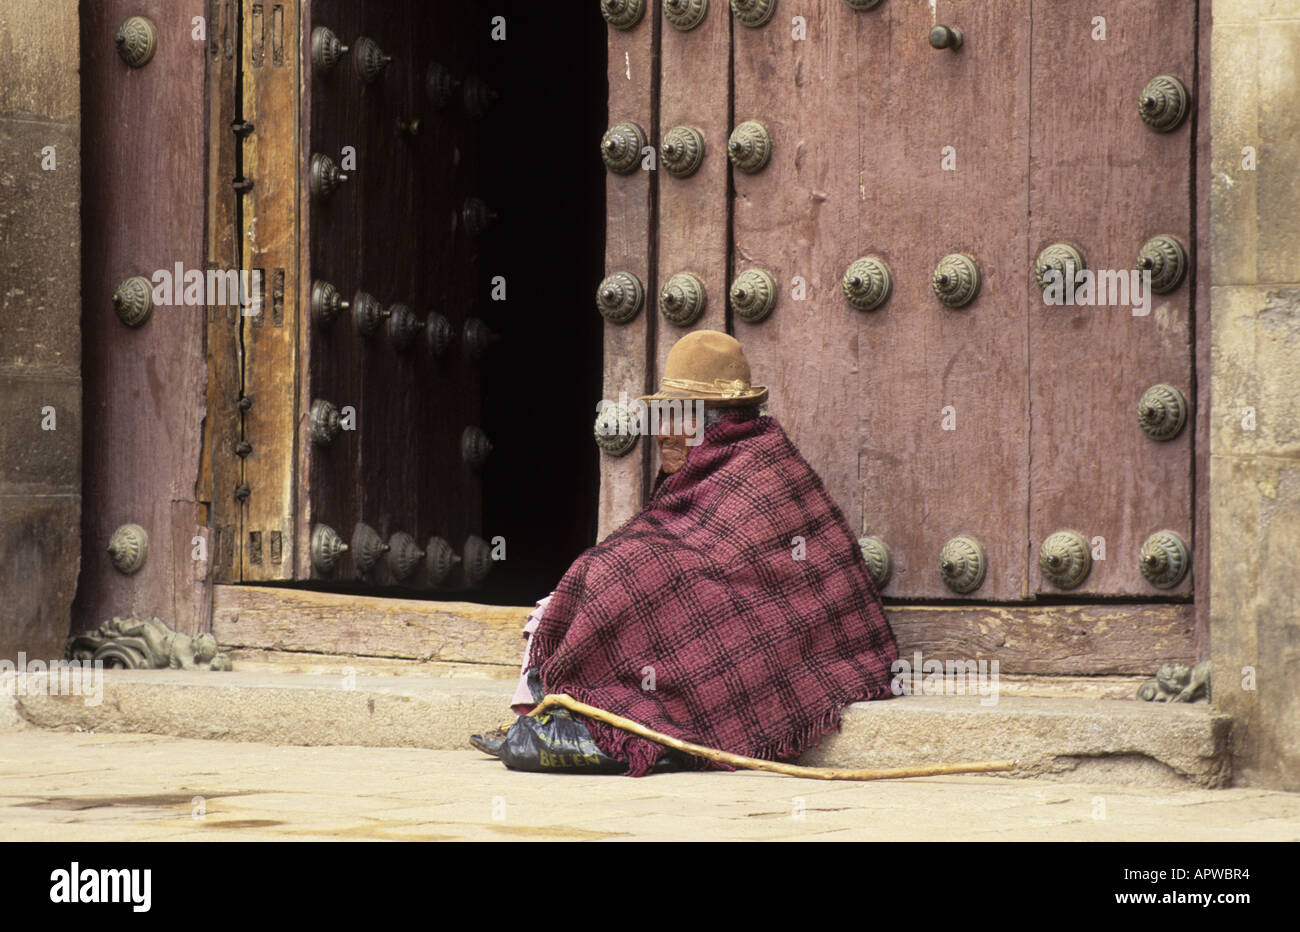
1111,741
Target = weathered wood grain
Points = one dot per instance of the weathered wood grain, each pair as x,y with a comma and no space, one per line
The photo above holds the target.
1200,271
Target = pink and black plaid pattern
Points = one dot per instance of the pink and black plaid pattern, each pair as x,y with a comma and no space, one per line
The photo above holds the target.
700,597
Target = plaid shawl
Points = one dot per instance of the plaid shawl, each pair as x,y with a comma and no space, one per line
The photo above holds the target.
696,619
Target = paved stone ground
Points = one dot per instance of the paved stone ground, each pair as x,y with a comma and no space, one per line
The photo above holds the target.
66,786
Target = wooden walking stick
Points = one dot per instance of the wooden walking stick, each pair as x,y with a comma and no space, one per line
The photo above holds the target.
752,763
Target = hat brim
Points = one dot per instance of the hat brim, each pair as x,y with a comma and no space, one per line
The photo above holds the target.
756,395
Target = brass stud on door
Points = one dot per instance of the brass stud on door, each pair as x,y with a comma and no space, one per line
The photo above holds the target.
880,561
946,37
617,428
476,338
620,297
402,326
1163,103
1056,264
620,147
325,176
478,559
404,554
862,5
867,283
685,15
133,300
682,151
962,564
753,13
476,215
474,447
370,60
325,425
128,548
367,547
326,49
622,14
753,295
682,299
439,559
439,85
438,333
1162,412
1165,258
326,302
327,548
477,96
750,147
367,312
956,280
136,41
1064,559
1164,559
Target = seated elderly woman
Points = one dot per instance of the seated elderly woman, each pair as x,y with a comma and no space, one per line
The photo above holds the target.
734,610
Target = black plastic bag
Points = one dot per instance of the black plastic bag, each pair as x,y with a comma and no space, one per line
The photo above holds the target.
555,742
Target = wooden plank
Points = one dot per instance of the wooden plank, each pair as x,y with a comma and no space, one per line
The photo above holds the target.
326,623
253,660
1023,685
630,238
1201,289
1102,179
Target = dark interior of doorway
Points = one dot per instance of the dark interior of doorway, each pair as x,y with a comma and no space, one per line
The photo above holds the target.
542,381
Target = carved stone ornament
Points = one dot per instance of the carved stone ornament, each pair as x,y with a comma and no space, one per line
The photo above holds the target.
403,325
1163,103
753,295
683,299
1061,258
880,561
326,49
753,13
750,147
327,548
438,333
477,96
620,147
1162,412
325,424
1165,258
622,14
474,447
439,559
620,297
962,564
325,176
133,300
1177,682
370,60
956,280
476,215
617,428
367,312
403,555
476,338
685,14
136,41
1064,559
1164,559
145,644
367,547
478,559
128,548
326,302
866,283
439,85
682,151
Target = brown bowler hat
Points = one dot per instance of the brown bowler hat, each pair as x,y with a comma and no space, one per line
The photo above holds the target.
708,366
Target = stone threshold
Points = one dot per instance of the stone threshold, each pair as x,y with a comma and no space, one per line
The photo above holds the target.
1065,739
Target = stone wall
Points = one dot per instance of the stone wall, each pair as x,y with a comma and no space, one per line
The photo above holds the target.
40,329
1255,383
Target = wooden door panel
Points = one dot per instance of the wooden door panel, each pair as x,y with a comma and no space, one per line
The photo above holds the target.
1104,181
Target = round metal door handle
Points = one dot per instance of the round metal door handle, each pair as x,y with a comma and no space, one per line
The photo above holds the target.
867,283
1065,560
683,299
1165,258
136,41
753,295
370,60
403,325
879,559
622,14
621,146
326,302
128,548
753,13
325,176
617,428
685,15
1164,559
963,564
404,554
956,280
1162,412
325,424
682,151
750,147
326,49
439,559
133,300
478,559
327,548
946,37
1163,103
367,312
367,547
620,297
1057,261
474,447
